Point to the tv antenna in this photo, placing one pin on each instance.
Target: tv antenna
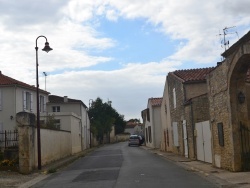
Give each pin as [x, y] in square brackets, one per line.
[224, 41]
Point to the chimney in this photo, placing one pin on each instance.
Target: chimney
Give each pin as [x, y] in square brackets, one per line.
[65, 99]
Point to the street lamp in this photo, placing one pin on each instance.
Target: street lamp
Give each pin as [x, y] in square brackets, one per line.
[46, 49]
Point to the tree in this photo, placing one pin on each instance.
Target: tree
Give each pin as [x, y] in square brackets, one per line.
[103, 117]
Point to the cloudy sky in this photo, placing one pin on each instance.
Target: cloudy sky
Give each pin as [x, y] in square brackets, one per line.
[118, 50]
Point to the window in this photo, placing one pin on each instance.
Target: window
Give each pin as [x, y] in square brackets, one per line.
[27, 101]
[42, 103]
[149, 134]
[148, 114]
[56, 108]
[57, 123]
[174, 97]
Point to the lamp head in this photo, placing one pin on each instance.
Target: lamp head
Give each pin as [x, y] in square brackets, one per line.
[47, 48]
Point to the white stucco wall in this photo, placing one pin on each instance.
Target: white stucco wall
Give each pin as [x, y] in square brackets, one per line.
[155, 123]
[12, 103]
[54, 145]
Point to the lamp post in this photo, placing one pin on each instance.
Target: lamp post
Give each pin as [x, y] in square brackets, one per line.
[46, 49]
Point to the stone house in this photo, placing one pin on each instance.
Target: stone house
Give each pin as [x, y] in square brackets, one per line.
[188, 106]
[17, 96]
[153, 123]
[229, 101]
[166, 137]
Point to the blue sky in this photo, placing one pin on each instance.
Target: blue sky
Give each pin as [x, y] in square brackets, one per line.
[117, 50]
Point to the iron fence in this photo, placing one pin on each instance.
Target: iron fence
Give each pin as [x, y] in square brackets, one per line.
[8, 139]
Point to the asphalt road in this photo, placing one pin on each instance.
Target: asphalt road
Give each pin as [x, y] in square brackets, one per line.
[120, 166]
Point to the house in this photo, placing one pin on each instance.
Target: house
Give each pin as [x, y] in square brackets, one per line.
[189, 112]
[153, 123]
[166, 137]
[134, 128]
[229, 100]
[17, 96]
[71, 115]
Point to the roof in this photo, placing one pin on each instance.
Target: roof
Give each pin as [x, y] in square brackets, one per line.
[8, 81]
[130, 125]
[58, 99]
[193, 75]
[155, 101]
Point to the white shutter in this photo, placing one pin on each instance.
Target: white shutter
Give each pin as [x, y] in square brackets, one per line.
[175, 134]
[24, 100]
[44, 103]
[174, 98]
[1, 99]
[31, 102]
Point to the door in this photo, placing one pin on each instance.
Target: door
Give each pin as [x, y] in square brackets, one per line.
[185, 139]
[203, 141]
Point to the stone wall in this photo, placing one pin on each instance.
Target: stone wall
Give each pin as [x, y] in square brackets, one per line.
[177, 114]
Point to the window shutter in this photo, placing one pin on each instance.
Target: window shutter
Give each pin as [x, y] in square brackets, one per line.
[1, 99]
[174, 98]
[24, 100]
[31, 102]
[44, 104]
[175, 134]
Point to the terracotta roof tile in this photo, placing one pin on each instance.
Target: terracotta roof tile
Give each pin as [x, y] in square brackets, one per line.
[190, 75]
[155, 101]
[5, 80]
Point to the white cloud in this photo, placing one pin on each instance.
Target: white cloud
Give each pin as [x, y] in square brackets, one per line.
[71, 27]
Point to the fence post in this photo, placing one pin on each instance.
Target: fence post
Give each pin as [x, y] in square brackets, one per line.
[26, 130]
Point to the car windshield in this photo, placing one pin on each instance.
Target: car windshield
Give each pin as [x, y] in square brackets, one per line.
[133, 137]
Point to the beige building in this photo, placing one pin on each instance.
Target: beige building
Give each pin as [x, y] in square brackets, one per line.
[17, 96]
[189, 112]
[153, 123]
[166, 137]
[71, 115]
[229, 101]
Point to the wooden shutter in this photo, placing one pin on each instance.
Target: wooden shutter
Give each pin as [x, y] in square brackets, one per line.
[175, 134]
[31, 102]
[44, 103]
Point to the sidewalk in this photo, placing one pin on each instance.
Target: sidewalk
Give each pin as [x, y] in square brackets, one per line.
[223, 178]
[10, 179]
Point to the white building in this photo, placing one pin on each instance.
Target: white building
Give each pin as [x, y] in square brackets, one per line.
[71, 115]
[153, 123]
[17, 96]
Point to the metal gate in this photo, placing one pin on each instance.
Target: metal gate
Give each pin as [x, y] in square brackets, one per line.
[245, 147]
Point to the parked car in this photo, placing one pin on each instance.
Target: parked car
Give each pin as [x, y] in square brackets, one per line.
[134, 140]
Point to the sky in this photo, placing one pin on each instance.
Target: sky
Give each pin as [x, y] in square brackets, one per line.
[120, 51]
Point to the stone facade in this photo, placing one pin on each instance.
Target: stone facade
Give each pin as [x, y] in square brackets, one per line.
[189, 105]
[224, 85]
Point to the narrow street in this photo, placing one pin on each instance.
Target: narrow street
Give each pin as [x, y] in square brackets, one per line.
[120, 166]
